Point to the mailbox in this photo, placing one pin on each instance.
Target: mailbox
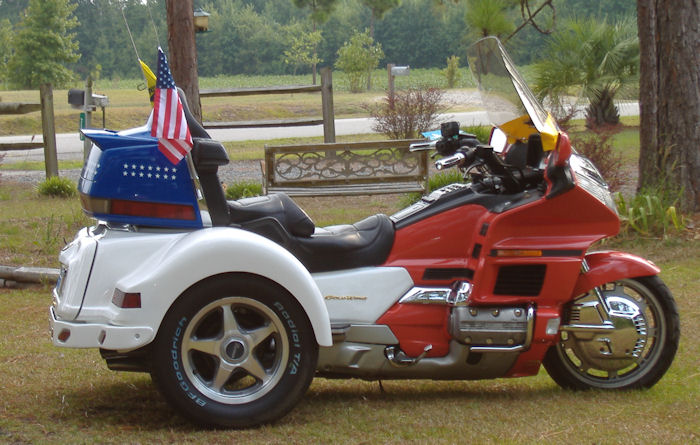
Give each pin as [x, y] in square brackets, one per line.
[400, 70]
[76, 98]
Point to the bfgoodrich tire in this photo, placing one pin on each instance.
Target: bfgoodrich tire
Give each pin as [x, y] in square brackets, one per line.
[236, 351]
[633, 349]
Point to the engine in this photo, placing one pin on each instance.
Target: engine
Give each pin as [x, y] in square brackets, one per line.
[490, 326]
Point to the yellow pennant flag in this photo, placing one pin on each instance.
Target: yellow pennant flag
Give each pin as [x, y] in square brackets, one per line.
[150, 80]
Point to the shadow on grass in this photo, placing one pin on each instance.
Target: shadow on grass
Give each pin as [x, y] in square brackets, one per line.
[139, 406]
[136, 405]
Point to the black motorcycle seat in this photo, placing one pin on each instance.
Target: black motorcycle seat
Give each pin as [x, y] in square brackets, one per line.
[365, 243]
[278, 218]
[278, 206]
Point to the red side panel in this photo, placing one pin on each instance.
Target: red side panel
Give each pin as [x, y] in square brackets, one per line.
[529, 362]
[442, 241]
[419, 325]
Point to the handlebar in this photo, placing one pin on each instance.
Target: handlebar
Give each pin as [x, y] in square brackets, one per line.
[450, 161]
[422, 146]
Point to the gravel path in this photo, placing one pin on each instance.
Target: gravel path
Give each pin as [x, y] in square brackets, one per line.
[234, 171]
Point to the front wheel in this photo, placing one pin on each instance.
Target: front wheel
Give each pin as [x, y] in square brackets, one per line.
[234, 351]
[625, 337]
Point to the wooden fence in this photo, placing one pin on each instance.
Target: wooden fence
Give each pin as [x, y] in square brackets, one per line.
[47, 126]
[326, 89]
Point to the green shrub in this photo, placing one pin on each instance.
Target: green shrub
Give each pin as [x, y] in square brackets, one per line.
[647, 214]
[482, 132]
[243, 189]
[57, 187]
[452, 73]
[435, 182]
[408, 113]
[597, 146]
[359, 57]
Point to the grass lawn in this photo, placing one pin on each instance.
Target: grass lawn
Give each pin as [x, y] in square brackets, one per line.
[69, 396]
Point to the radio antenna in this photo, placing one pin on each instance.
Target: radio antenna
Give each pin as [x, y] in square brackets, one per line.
[153, 23]
[130, 35]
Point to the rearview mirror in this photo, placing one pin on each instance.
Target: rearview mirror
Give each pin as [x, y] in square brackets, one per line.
[498, 140]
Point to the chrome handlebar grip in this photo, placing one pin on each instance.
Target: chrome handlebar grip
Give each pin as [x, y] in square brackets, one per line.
[450, 161]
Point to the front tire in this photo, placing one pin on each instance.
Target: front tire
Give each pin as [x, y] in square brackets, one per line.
[236, 351]
[632, 349]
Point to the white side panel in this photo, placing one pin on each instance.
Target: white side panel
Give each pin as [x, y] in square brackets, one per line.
[76, 259]
[362, 295]
[162, 266]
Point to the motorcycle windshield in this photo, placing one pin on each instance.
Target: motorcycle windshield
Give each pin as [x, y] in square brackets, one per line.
[508, 100]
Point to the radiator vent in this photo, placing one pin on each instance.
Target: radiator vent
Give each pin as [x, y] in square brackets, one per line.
[523, 280]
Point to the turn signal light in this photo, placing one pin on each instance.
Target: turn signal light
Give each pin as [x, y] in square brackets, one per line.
[126, 300]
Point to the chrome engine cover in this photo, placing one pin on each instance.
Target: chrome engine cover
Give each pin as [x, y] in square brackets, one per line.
[489, 326]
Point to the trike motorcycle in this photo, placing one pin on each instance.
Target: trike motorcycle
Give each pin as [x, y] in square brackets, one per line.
[234, 306]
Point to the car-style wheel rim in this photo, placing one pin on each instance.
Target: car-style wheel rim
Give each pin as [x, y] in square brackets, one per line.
[234, 350]
[620, 350]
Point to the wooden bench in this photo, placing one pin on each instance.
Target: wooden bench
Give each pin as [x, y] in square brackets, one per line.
[350, 168]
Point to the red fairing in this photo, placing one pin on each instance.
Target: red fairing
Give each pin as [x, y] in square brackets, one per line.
[558, 231]
[562, 227]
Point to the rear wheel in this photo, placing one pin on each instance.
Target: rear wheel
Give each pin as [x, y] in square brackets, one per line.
[236, 351]
[627, 340]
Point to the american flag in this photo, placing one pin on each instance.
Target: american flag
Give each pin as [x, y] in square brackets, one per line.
[168, 123]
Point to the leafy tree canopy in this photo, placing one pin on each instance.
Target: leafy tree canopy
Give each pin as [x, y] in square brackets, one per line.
[594, 57]
[43, 46]
[358, 56]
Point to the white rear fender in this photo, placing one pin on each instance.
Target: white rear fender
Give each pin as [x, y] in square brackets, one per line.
[204, 253]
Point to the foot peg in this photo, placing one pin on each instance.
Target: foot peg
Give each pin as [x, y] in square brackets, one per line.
[399, 359]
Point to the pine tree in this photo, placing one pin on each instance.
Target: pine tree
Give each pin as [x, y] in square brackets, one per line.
[44, 45]
[5, 47]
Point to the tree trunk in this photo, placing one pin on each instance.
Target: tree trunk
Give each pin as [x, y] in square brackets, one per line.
[669, 97]
[183, 52]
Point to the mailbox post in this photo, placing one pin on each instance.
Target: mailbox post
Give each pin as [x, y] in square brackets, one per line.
[393, 71]
[87, 109]
[87, 102]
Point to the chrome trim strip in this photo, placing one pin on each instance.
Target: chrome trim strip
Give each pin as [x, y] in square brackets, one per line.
[607, 326]
[457, 295]
[426, 295]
